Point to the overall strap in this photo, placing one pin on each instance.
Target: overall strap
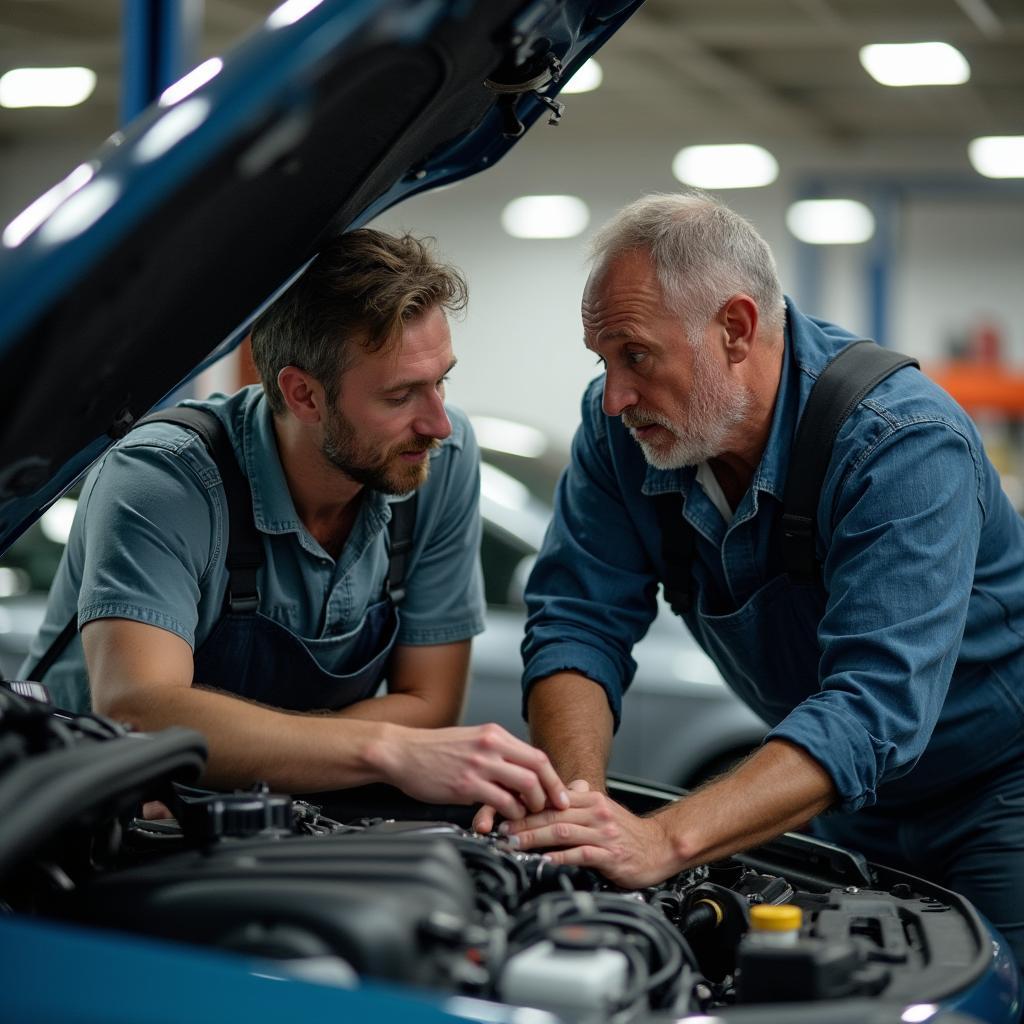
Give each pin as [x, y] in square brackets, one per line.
[55, 650]
[245, 548]
[400, 531]
[245, 551]
[844, 382]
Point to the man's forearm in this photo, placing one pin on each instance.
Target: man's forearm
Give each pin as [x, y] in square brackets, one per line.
[777, 788]
[291, 752]
[401, 708]
[571, 722]
[427, 687]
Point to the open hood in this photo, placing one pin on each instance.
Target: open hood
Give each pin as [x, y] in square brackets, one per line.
[154, 257]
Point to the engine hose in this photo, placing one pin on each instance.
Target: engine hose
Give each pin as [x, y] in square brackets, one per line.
[703, 916]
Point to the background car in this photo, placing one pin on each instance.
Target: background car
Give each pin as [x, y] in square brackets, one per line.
[681, 724]
[26, 570]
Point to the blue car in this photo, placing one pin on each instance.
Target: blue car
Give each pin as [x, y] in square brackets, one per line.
[144, 265]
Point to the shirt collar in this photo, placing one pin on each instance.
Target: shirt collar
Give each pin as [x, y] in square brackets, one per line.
[663, 481]
[810, 345]
[770, 475]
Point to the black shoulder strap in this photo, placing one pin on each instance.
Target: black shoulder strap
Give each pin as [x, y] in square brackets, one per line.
[400, 531]
[245, 548]
[245, 551]
[54, 651]
[847, 378]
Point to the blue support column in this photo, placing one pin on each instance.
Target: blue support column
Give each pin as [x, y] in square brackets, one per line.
[160, 43]
[160, 40]
[881, 258]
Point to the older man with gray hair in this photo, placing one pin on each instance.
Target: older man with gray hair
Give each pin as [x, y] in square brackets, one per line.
[878, 627]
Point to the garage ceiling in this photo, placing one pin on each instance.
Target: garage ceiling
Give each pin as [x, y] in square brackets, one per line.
[788, 70]
[783, 73]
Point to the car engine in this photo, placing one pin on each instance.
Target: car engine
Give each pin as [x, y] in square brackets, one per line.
[352, 895]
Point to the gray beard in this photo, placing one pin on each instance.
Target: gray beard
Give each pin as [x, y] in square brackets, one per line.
[715, 409]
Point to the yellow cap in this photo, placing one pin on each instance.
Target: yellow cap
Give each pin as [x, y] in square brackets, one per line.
[765, 918]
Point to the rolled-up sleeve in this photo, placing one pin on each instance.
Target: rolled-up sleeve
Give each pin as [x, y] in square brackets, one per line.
[898, 573]
[591, 594]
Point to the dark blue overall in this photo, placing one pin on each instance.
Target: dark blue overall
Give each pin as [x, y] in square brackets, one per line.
[254, 657]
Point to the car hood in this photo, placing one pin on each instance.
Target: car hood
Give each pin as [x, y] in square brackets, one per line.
[151, 259]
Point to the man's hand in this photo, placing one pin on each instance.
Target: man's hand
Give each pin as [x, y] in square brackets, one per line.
[470, 764]
[578, 743]
[485, 819]
[779, 787]
[579, 749]
[600, 834]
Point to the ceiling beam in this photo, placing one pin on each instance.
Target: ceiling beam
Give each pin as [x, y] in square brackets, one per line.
[751, 98]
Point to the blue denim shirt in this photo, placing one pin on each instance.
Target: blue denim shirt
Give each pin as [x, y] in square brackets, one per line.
[902, 671]
[150, 534]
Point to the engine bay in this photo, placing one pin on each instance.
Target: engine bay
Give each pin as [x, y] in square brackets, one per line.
[347, 896]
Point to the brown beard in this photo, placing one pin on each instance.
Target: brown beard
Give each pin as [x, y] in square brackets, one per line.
[380, 472]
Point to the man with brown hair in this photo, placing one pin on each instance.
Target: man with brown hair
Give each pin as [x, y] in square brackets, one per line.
[268, 621]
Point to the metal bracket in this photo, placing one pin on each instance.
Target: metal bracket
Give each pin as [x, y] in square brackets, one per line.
[537, 73]
[556, 108]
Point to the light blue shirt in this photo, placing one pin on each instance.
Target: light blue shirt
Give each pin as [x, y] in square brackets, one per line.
[150, 534]
[901, 672]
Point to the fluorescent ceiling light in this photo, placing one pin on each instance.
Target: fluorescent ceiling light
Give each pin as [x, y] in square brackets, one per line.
[502, 435]
[188, 84]
[997, 156]
[545, 217]
[919, 1012]
[737, 165]
[587, 79]
[900, 64]
[830, 221]
[46, 87]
